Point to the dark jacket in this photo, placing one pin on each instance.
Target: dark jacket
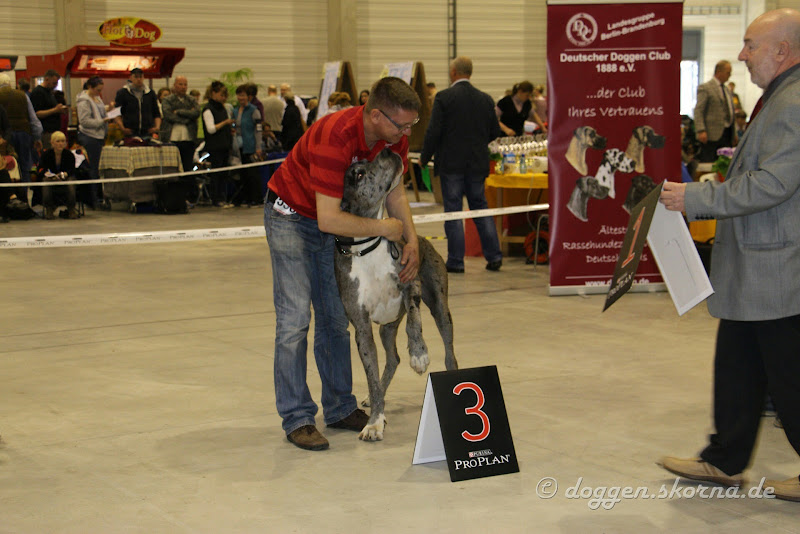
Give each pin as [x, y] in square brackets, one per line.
[136, 115]
[463, 123]
[43, 99]
[5, 124]
[511, 117]
[16, 104]
[48, 163]
[222, 139]
[291, 125]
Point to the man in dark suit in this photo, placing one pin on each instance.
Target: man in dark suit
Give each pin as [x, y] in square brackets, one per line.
[463, 122]
[713, 114]
[754, 266]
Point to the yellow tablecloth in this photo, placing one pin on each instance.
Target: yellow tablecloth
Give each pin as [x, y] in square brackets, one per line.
[518, 181]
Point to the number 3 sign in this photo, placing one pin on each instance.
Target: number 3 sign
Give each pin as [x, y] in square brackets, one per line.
[464, 421]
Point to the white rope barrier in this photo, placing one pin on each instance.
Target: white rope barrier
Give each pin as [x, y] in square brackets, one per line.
[138, 178]
[246, 232]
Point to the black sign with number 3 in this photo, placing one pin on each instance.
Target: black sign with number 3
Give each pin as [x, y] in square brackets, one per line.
[474, 424]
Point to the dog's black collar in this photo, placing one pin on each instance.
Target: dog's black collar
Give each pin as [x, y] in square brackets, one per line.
[343, 244]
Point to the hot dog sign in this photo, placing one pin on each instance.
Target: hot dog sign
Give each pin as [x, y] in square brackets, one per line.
[129, 31]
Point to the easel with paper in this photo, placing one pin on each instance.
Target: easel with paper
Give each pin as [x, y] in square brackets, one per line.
[337, 76]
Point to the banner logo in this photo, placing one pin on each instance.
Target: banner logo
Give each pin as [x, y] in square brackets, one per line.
[582, 29]
[129, 31]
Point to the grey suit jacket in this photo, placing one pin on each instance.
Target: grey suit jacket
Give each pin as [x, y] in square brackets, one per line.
[709, 112]
[755, 266]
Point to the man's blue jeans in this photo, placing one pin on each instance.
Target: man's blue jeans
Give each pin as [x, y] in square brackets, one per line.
[454, 187]
[302, 276]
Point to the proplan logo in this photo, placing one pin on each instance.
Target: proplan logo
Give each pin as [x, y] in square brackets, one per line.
[582, 29]
[481, 459]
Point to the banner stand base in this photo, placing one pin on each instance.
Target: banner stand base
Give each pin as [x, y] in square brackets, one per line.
[562, 291]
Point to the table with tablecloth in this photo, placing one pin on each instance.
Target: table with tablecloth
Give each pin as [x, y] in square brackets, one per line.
[531, 188]
[122, 161]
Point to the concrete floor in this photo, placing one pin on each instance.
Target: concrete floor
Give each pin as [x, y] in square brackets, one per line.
[137, 397]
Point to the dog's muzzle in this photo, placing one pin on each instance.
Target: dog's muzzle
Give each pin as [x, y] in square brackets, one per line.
[656, 141]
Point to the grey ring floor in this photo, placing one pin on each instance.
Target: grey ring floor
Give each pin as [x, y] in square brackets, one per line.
[137, 396]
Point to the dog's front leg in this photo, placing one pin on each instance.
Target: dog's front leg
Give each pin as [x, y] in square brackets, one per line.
[389, 340]
[412, 296]
[368, 351]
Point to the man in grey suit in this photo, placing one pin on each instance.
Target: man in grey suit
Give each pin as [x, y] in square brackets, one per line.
[755, 266]
[713, 114]
[463, 122]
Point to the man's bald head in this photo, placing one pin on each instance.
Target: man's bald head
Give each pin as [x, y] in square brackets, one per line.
[771, 45]
[181, 85]
[784, 25]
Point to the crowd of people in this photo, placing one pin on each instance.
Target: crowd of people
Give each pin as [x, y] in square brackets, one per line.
[229, 134]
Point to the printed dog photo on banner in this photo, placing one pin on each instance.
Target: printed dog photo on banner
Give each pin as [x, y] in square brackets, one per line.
[602, 184]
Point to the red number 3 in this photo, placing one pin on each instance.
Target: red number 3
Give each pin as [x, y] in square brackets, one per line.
[474, 410]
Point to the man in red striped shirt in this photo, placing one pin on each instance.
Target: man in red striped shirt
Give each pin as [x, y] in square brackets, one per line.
[301, 215]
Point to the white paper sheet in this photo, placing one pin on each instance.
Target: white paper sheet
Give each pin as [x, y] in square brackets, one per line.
[678, 260]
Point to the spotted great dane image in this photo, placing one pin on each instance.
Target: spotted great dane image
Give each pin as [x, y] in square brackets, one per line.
[367, 272]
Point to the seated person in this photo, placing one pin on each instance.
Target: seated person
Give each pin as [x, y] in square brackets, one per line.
[271, 142]
[11, 205]
[57, 164]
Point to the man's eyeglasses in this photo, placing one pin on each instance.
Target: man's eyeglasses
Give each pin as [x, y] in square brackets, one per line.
[400, 127]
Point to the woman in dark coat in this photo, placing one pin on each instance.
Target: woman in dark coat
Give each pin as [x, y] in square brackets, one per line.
[57, 164]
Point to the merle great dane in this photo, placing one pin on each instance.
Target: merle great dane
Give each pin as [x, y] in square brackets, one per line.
[367, 275]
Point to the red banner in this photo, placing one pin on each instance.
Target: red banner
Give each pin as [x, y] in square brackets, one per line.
[614, 101]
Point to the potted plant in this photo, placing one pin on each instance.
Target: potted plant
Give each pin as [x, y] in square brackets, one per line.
[720, 166]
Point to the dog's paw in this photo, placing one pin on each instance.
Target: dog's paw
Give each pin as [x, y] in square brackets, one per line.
[365, 402]
[373, 432]
[420, 363]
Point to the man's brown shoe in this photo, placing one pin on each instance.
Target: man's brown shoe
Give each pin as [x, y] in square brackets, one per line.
[697, 469]
[788, 490]
[356, 421]
[308, 437]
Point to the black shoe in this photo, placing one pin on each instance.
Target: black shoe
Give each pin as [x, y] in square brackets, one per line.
[356, 421]
[455, 269]
[494, 265]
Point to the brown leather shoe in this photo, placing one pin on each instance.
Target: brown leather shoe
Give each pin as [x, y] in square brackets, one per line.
[72, 213]
[697, 469]
[788, 490]
[356, 421]
[308, 437]
[49, 214]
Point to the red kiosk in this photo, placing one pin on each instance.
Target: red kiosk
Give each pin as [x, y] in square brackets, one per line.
[108, 62]
[114, 63]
